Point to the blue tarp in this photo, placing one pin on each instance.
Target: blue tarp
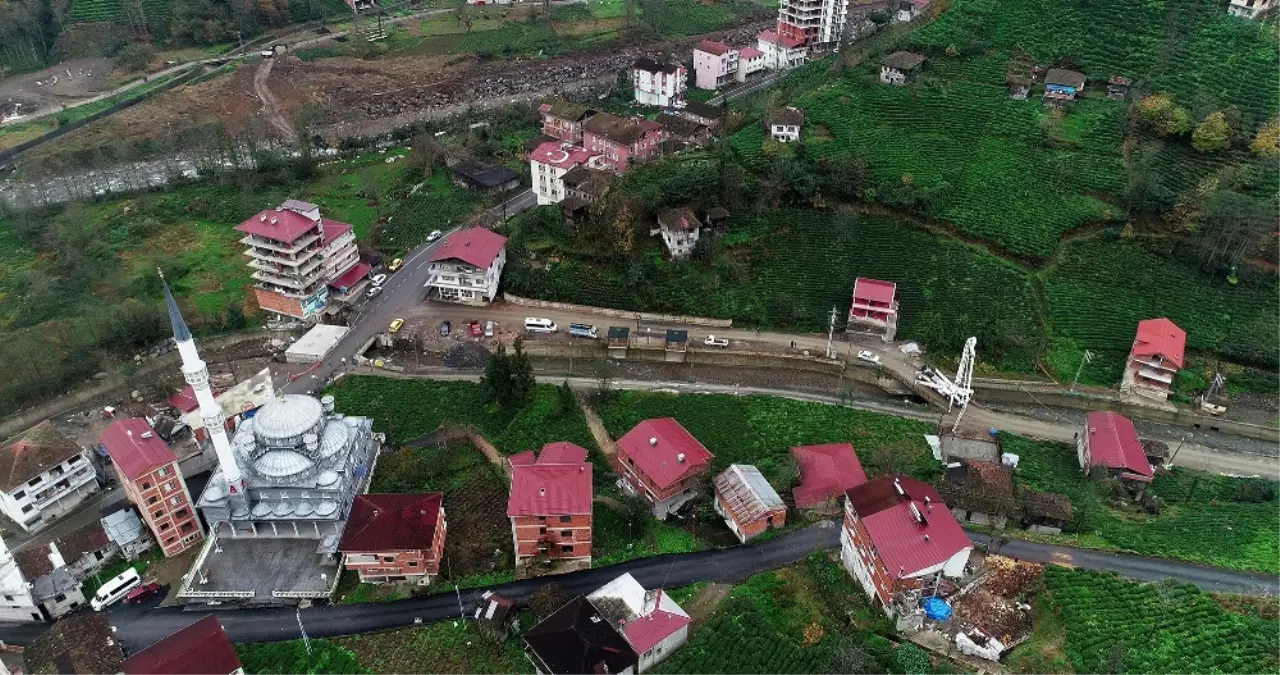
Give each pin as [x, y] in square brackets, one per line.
[936, 609]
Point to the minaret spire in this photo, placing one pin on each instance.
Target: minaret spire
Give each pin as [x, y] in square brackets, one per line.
[197, 375]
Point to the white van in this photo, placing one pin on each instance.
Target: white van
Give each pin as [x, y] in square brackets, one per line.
[536, 325]
[115, 589]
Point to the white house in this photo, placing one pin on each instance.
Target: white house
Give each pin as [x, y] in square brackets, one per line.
[750, 62]
[549, 162]
[43, 474]
[16, 601]
[897, 68]
[466, 268]
[785, 124]
[781, 52]
[650, 621]
[658, 83]
[1249, 9]
[680, 229]
[909, 9]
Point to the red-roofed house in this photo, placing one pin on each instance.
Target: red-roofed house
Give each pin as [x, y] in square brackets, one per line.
[294, 254]
[549, 162]
[467, 266]
[201, 648]
[1111, 441]
[662, 462]
[622, 142]
[781, 52]
[395, 537]
[550, 509]
[750, 62]
[650, 621]
[826, 473]
[1155, 358]
[874, 308]
[148, 470]
[897, 536]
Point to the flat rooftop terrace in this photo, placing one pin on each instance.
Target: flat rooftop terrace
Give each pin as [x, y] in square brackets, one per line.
[256, 569]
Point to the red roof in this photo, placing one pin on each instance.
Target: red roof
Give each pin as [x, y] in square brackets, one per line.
[1113, 443]
[561, 155]
[475, 246]
[1161, 337]
[785, 41]
[750, 53]
[392, 522]
[553, 484]
[199, 649]
[332, 229]
[135, 447]
[288, 225]
[713, 47]
[826, 472]
[660, 459]
[185, 400]
[646, 632]
[896, 533]
[873, 290]
[350, 277]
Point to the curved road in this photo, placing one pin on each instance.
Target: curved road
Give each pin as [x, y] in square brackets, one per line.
[140, 626]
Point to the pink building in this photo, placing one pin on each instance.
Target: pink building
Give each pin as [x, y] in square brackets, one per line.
[874, 308]
[1156, 356]
[622, 142]
[563, 119]
[715, 64]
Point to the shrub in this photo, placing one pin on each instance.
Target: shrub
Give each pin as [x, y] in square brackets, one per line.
[134, 56]
[1159, 113]
[1212, 134]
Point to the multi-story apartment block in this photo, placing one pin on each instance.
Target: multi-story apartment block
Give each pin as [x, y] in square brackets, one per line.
[813, 22]
[148, 471]
[874, 308]
[781, 52]
[16, 601]
[660, 461]
[750, 62]
[549, 162]
[466, 268]
[43, 474]
[658, 83]
[622, 142]
[294, 255]
[563, 120]
[550, 509]
[1154, 359]
[715, 64]
[395, 537]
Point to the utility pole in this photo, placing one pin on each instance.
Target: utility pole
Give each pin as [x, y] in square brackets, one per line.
[1086, 358]
[1175, 450]
[831, 330]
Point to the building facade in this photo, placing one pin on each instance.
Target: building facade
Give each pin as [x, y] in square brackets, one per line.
[563, 120]
[680, 230]
[874, 308]
[54, 587]
[663, 463]
[294, 254]
[747, 502]
[715, 64]
[43, 475]
[17, 604]
[148, 471]
[750, 62]
[785, 124]
[898, 68]
[814, 23]
[781, 52]
[548, 164]
[550, 509]
[1155, 358]
[659, 84]
[125, 530]
[1249, 9]
[621, 142]
[395, 537]
[467, 267]
[653, 624]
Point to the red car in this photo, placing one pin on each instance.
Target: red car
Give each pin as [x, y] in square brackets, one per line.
[142, 593]
[476, 329]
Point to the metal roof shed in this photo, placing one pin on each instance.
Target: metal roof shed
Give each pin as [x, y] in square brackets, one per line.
[313, 346]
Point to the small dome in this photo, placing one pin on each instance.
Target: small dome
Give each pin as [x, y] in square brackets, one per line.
[335, 438]
[282, 509]
[286, 418]
[213, 493]
[326, 508]
[239, 512]
[281, 463]
[261, 509]
[303, 509]
[327, 478]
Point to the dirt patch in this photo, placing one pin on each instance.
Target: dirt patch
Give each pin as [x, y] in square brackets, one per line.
[705, 601]
[168, 572]
[66, 82]
[598, 432]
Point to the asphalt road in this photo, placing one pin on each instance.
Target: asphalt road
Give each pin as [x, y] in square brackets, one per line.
[401, 291]
[141, 626]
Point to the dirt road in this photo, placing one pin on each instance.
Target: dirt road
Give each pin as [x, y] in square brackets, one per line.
[270, 106]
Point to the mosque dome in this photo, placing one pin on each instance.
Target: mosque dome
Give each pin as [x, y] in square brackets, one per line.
[286, 419]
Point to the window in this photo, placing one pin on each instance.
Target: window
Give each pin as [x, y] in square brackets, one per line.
[146, 486]
[413, 563]
[172, 539]
[176, 500]
[567, 534]
[26, 508]
[164, 471]
[542, 530]
[187, 526]
[20, 494]
[61, 597]
[157, 514]
[152, 499]
[388, 558]
[34, 481]
[181, 513]
[8, 598]
[165, 526]
[567, 548]
[566, 519]
[169, 487]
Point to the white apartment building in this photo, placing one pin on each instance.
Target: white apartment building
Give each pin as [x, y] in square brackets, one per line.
[750, 62]
[813, 22]
[467, 267]
[43, 474]
[657, 83]
[781, 52]
[16, 602]
[549, 162]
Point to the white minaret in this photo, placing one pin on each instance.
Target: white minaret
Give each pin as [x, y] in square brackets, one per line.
[197, 375]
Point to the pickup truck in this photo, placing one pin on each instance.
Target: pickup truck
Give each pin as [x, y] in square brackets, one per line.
[713, 341]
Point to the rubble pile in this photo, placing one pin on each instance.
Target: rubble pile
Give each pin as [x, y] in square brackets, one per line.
[467, 356]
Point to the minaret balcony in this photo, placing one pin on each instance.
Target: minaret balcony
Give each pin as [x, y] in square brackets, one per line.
[196, 378]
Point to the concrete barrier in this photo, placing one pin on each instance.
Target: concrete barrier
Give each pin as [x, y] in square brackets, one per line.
[619, 313]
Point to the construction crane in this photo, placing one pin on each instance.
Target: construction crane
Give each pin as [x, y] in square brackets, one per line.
[957, 391]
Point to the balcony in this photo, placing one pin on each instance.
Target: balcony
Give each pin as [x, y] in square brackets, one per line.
[301, 243]
[62, 487]
[293, 282]
[305, 271]
[267, 255]
[455, 281]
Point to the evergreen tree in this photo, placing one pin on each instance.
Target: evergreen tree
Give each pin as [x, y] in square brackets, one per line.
[497, 376]
[522, 379]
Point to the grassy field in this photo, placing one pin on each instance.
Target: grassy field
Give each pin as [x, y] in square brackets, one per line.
[446, 647]
[1190, 526]
[325, 657]
[1113, 625]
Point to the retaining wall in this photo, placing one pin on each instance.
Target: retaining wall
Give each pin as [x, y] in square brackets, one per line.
[619, 313]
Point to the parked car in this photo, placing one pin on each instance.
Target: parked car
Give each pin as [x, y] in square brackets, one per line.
[713, 341]
[583, 330]
[435, 234]
[395, 265]
[373, 291]
[488, 328]
[140, 593]
[378, 279]
[445, 327]
[476, 329]
[395, 326]
[869, 357]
